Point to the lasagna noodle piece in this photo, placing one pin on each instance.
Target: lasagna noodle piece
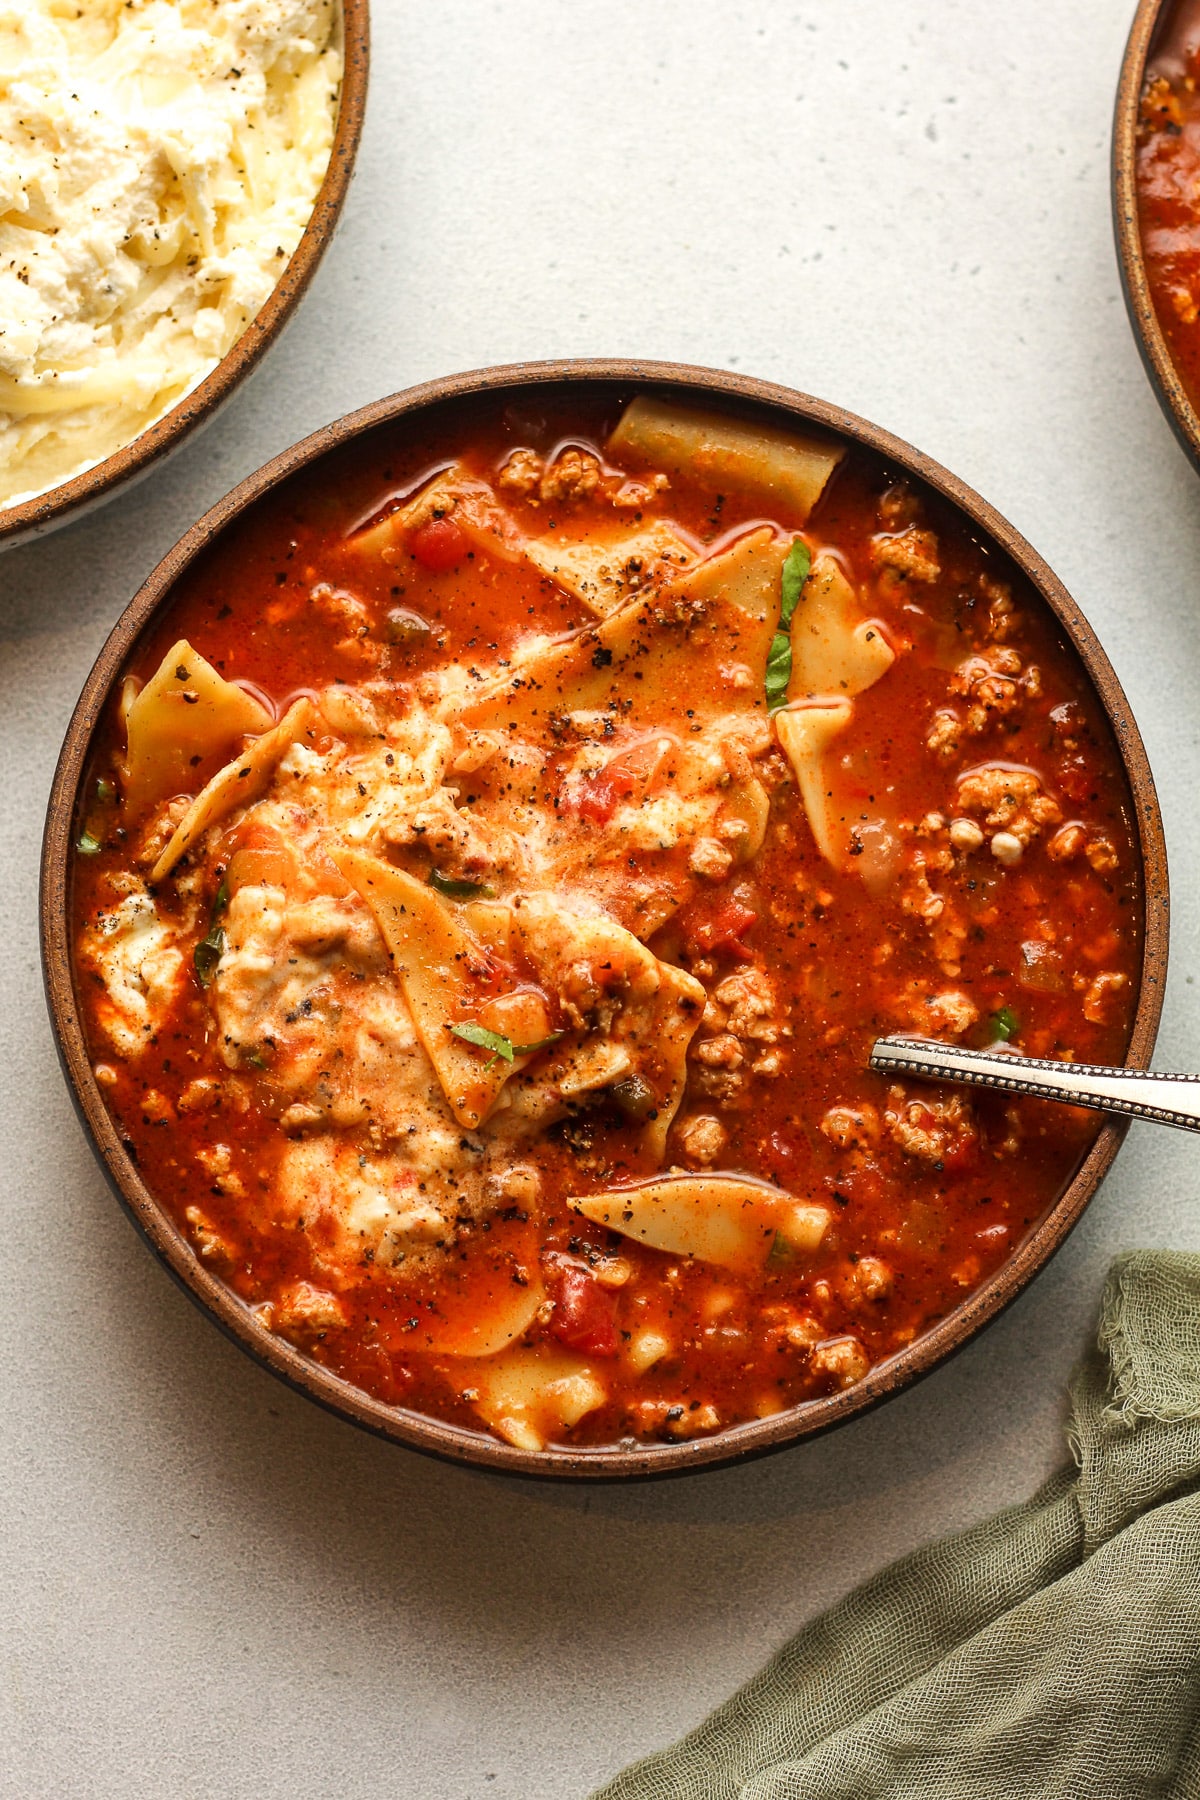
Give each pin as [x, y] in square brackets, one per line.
[656, 1007]
[239, 782]
[836, 655]
[435, 958]
[773, 463]
[185, 716]
[608, 565]
[668, 653]
[452, 494]
[805, 734]
[495, 1314]
[531, 1396]
[601, 570]
[726, 1219]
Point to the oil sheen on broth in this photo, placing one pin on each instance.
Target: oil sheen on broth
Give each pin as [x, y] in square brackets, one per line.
[499, 863]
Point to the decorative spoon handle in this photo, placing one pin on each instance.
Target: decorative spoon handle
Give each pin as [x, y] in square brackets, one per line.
[1138, 1093]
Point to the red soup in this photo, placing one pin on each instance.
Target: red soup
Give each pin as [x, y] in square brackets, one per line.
[501, 859]
[1168, 189]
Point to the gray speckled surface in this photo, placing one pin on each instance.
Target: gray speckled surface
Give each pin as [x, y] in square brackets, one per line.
[210, 1589]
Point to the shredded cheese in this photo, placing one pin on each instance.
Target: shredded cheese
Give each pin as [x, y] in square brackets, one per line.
[159, 161]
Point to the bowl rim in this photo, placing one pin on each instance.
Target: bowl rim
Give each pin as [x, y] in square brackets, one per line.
[452, 1443]
[1160, 366]
[92, 487]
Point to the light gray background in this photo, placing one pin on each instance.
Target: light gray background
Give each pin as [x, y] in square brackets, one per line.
[212, 1589]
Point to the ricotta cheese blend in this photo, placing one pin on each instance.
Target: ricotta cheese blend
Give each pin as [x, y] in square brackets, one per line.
[159, 161]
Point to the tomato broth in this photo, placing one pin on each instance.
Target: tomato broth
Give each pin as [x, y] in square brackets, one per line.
[502, 1038]
[1168, 189]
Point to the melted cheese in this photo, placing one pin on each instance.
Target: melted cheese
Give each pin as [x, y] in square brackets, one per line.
[135, 955]
[377, 1204]
[159, 160]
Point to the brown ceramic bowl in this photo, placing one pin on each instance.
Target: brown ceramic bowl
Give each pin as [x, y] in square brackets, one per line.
[172, 1248]
[1152, 22]
[45, 512]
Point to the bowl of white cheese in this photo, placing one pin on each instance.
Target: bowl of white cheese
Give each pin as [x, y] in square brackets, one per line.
[171, 172]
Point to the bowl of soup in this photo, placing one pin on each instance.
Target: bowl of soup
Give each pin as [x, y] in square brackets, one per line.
[1156, 203]
[179, 170]
[482, 857]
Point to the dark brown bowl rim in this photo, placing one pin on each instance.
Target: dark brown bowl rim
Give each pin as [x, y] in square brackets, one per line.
[1135, 282]
[42, 513]
[234, 1317]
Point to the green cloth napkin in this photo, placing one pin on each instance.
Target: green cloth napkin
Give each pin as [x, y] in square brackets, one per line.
[1051, 1652]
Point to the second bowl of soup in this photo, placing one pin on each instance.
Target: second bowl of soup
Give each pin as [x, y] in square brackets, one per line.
[1156, 203]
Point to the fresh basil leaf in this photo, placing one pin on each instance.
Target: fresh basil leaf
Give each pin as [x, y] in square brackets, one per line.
[207, 955]
[781, 1255]
[1004, 1025]
[211, 948]
[87, 845]
[791, 586]
[542, 1044]
[779, 657]
[779, 670]
[486, 1040]
[458, 890]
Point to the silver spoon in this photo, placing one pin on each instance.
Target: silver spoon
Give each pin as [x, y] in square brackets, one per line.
[1138, 1093]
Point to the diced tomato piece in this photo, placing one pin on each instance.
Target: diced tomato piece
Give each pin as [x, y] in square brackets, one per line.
[962, 1155]
[439, 545]
[600, 797]
[585, 1314]
[620, 777]
[259, 855]
[720, 928]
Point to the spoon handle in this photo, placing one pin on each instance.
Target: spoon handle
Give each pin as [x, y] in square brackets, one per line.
[1138, 1093]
